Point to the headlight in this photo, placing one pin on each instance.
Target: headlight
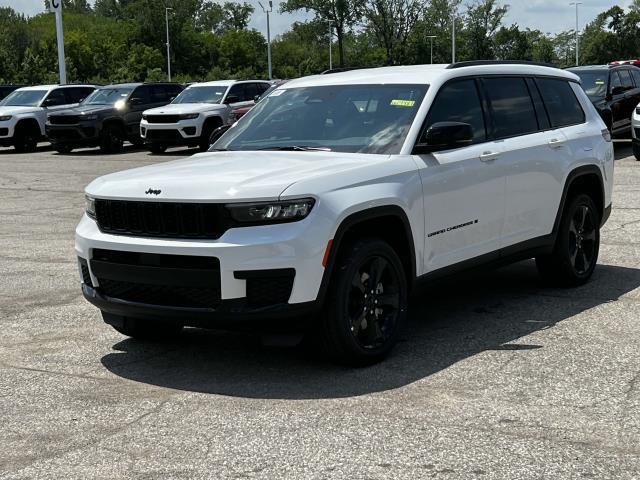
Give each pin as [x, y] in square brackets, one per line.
[93, 116]
[189, 116]
[271, 212]
[90, 206]
[4, 118]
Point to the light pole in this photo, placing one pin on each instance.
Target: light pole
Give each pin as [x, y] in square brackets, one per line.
[577, 34]
[330, 44]
[431, 37]
[453, 37]
[268, 11]
[166, 21]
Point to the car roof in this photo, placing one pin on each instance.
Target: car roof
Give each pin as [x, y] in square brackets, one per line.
[425, 74]
[51, 87]
[599, 68]
[224, 83]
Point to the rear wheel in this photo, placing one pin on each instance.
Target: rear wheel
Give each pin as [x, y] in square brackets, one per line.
[62, 148]
[112, 139]
[366, 306]
[142, 329]
[26, 139]
[576, 251]
[157, 148]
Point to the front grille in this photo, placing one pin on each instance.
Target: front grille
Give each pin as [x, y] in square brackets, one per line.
[157, 279]
[4, 132]
[174, 296]
[162, 219]
[163, 118]
[64, 119]
[166, 135]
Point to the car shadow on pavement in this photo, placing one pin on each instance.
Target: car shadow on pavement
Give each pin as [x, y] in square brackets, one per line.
[449, 322]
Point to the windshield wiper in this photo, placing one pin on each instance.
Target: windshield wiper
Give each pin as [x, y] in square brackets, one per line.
[299, 148]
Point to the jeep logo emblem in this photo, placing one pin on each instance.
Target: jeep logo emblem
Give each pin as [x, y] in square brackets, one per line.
[151, 191]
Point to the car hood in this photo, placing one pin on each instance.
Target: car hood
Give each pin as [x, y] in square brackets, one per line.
[8, 110]
[226, 176]
[84, 110]
[180, 108]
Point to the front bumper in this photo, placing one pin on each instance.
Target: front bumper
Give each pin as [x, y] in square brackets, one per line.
[80, 135]
[7, 130]
[242, 254]
[184, 132]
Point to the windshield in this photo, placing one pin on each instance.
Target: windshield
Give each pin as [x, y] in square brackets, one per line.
[341, 118]
[24, 98]
[107, 96]
[594, 83]
[201, 95]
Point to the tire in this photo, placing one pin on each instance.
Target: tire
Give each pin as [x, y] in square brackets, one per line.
[575, 253]
[142, 329]
[137, 142]
[112, 139]
[62, 148]
[26, 139]
[157, 149]
[636, 151]
[360, 323]
[205, 137]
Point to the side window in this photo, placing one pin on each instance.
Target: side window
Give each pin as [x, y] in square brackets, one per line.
[142, 93]
[173, 91]
[159, 94]
[237, 91]
[77, 94]
[561, 102]
[635, 73]
[541, 112]
[511, 107]
[56, 97]
[250, 91]
[614, 81]
[263, 87]
[458, 101]
[625, 77]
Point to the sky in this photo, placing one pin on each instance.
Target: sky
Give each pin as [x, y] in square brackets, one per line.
[549, 16]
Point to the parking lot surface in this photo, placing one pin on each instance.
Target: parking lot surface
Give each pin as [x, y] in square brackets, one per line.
[497, 376]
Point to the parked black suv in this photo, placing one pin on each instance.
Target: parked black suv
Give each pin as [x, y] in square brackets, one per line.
[108, 117]
[615, 92]
[7, 89]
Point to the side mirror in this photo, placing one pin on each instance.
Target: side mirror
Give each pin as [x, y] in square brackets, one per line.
[617, 90]
[135, 101]
[444, 136]
[217, 133]
[49, 102]
[256, 98]
[232, 99]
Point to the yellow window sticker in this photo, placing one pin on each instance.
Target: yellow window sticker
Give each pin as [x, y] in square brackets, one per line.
[403, 103]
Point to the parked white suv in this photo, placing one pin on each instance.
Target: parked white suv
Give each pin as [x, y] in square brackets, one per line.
[338, 193]
[23, 112]
[196, 112]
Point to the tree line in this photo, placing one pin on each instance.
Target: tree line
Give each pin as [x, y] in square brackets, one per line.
[124, 40]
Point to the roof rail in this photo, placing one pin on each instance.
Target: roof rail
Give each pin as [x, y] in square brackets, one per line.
[475, 63]
[345, 69]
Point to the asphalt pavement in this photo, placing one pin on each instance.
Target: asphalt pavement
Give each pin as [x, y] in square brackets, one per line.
[496, 377]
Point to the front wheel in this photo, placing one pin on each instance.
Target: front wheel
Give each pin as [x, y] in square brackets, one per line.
[62, 148]
[112, 139]
[26, 140]
[577, 245]
[636, 151]
[157, 148]
[366, 305]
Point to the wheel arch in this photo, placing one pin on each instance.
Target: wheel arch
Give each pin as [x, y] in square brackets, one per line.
[388, 222]
[28, 122]
[585, 179]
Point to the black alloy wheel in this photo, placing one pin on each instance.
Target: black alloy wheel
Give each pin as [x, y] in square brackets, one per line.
[582, 239]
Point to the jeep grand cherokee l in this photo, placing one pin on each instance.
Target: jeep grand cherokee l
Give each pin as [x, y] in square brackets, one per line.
[194, 114]
[109, 117]
[323, 206]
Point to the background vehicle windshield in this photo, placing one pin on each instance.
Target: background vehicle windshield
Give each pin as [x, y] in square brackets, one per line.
[107, 96]
[342, 118]
[594, 83]
[201, 95]
[24, 98]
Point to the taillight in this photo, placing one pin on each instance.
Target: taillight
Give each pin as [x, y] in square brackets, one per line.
[606, 134]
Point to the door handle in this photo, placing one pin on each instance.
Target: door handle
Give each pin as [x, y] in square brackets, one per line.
[556, 142]
[489, 156]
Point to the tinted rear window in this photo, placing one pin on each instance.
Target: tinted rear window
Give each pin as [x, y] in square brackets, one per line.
[511, 107]
[561, 102]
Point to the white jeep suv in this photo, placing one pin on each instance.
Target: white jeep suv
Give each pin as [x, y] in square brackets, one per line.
[23, 112]
[196, 112]
[337, 194]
